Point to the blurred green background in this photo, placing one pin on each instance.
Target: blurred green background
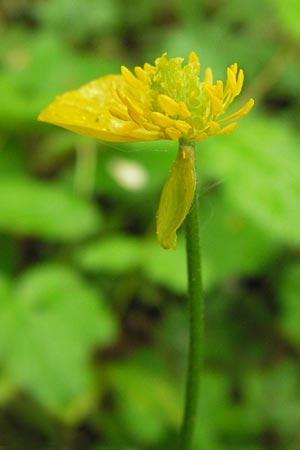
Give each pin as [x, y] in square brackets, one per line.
[93, 325]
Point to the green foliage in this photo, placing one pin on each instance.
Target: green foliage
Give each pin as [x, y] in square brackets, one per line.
[74, 19]
[50, 321]
[142, 391]
[288, 291]
[122, 253]
[289, 16]
[35, 70]
[262, 179]
[93, 324]
[44, 210]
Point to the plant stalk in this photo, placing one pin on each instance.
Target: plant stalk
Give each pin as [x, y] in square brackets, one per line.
[195, 291]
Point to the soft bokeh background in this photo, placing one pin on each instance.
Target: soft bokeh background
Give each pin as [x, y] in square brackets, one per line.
[92, 311]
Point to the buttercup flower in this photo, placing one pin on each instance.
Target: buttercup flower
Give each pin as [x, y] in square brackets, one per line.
[162, 101]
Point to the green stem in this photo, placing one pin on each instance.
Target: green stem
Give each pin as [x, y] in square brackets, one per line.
[193, 249]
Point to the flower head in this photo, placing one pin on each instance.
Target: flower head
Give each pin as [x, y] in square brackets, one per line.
[162, 101]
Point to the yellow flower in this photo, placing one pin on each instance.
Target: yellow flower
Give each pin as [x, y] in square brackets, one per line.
[162, 101]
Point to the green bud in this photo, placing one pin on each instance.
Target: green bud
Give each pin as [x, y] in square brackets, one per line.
[176, 197]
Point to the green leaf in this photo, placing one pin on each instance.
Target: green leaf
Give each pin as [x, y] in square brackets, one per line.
[289, 16]
[148, 403]
[7, 386]
[12, 159]
[5, 312]
[233, 245]
[56, 15]
[289, 296]
[259, 165]
[282, 413]
[225, 231]
[166, 268]
[117, 254]
[44, 210]
[27, 87]
[57, 321]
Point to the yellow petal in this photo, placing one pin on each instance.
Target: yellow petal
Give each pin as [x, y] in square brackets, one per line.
[176, 197]
[86, 111]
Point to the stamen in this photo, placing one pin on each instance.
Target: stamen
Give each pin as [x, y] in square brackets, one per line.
[172, 133]
[161, 119]
[130, 78]
[135, 116]
[141, 74]
[241, 112]
[182, 126]
[168, 105]
[118, 113]
[240, 81]
[208, 76]
[213, 126]
[228, 129]
[194, 61]
[231, 81]
[183, 110]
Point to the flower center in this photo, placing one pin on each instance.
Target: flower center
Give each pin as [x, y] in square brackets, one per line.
[181, 84]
